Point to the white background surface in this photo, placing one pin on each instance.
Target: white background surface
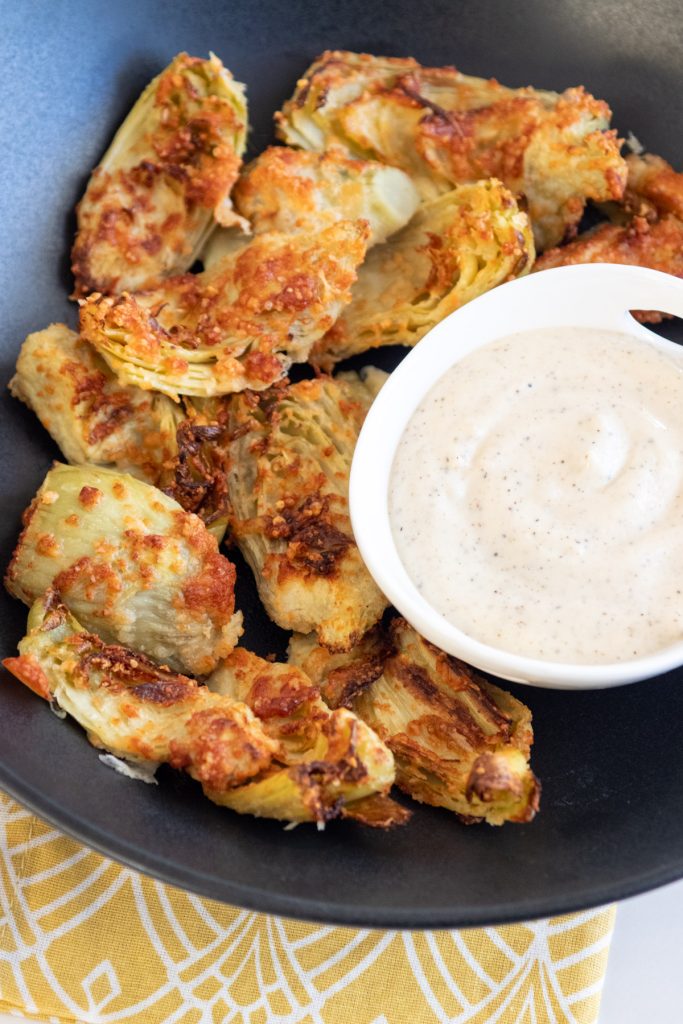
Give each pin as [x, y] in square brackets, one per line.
[644, 983]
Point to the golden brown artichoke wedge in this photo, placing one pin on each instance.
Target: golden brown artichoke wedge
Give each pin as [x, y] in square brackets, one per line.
[97, 421]
[332, 762]
[646, 228]
[459, 741]
[455, 248]
[135, 708]
[288, 485]
[240, 324]
[445, 128]
[131, 564]
[89, 414]
[165, 180]
[147, 714]
[292, 190]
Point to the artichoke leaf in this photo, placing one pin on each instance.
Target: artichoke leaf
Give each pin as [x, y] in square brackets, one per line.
[653, 187]
[198, 481]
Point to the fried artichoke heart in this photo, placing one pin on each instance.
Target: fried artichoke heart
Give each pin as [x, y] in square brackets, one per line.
[646, 229]
[96, 421]
[89, 414]
[292, 190]
[288, 484]
[459, 742]
[455, 248]
[134, 708]
[239, 324]
[334, 763]
[130, 564]
[445, 128]
[145, 713]
[165, 180]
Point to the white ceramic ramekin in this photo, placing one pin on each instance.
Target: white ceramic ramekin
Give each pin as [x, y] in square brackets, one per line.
[595, 295]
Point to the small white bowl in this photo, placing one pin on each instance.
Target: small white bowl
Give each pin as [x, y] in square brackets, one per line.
[592, 295]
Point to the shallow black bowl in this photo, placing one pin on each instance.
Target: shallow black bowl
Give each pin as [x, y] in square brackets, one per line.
[612, 817]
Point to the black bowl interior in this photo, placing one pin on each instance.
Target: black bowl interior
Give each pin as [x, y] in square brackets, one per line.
[612, 815]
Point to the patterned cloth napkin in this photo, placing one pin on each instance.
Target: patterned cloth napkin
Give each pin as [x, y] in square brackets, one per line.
[82, 938]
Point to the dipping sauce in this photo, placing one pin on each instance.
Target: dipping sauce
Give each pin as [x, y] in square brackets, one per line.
[536, 496]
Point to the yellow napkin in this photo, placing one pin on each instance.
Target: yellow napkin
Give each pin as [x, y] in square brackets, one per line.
[82, 938]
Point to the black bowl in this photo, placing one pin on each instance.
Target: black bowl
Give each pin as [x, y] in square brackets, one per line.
[611, 822]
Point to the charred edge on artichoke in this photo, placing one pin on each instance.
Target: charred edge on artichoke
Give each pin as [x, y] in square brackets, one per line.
[314, 543]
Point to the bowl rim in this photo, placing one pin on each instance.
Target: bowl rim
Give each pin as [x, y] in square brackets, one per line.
[587, 295]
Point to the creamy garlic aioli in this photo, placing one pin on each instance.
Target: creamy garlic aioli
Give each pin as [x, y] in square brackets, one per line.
[536, 496]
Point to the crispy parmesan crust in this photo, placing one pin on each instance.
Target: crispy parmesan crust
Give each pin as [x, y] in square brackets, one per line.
[199, 479]
[92, 418]
[138, 568]
[292, 190]
[314, 543]
[238, 325]
[640, 243]
[170, 168]
[653, 188]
